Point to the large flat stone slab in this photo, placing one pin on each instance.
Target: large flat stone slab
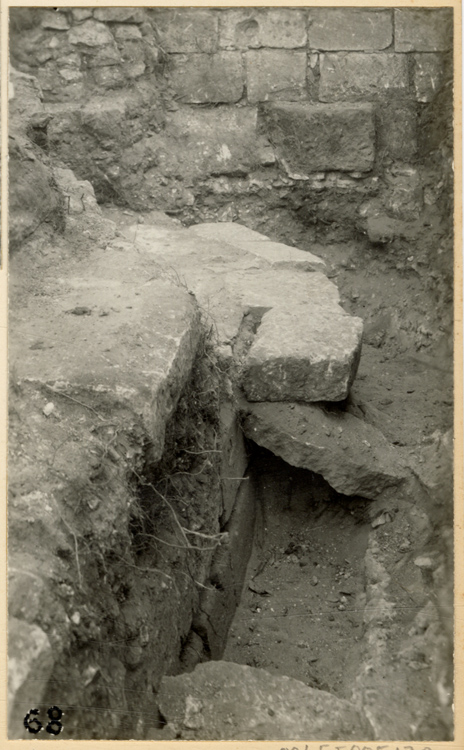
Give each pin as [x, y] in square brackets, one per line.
[320, 137]
[354, 457]
[276, 253]
[113, 326]
[308, 354]
[226, 701]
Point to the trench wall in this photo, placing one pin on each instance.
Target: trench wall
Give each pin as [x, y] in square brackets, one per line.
[197, 111]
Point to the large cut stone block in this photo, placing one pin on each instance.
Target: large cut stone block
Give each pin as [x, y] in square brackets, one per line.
[349, 29]
[354, 457]
[226, 701]
[262, 27]
[429, 75]
[187, 30]
[275, 74]
[310, 353]
[276, 254]
[354, 76]
[423, 30]
[397, 129]
[319, 137]
[201, 78]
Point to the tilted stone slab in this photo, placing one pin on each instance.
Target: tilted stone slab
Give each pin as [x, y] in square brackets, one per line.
[310, 353]
[320, 137]
[354, 457]
[227, 701]
[276, 253]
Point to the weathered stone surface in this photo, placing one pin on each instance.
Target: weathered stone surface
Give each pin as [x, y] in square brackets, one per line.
[404, 196]
[201, 78]
[120, 15]
[80, 14]
[397, 129]
[423, 30]
[33, 194]
[30, 662]
[319, 137]
[354, 457]
[211, 141]
[354, 76]
[91, 34]
[187, 30]
[349, 29]
[52, 20]
[221, 597]
[277, 254]
[226, 701]
[234, 458]
[428, 74]
[148, 377]
[307, 354]
[125, 31]
[262, 27]
[275, 74]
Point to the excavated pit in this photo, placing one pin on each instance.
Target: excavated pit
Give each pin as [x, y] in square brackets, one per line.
[301, 610]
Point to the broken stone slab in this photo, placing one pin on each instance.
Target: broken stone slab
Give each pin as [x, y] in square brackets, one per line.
[320, 137]
[276, 253]
[227, 701]
[307, 354]
[354, 457]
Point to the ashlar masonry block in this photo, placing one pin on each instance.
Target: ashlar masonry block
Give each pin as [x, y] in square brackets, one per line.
[355, 76]
[201, 78]
[423, 30]
[187, 30]
[350, 29]
[429, 75]
[322, 137]
[244, 28]
[276, 74]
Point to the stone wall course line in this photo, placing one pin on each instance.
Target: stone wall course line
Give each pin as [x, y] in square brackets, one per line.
[423, 30]
[358, 29]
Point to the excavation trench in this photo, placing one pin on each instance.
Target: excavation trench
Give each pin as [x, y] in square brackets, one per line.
[301, 609]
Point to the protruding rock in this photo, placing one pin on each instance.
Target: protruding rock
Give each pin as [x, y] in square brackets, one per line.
[227, 701]
[354, 457]
[307, 354]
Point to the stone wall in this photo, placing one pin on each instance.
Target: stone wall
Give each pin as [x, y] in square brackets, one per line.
[196, 111]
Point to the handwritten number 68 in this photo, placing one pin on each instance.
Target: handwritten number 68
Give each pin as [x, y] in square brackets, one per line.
[34, 726]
